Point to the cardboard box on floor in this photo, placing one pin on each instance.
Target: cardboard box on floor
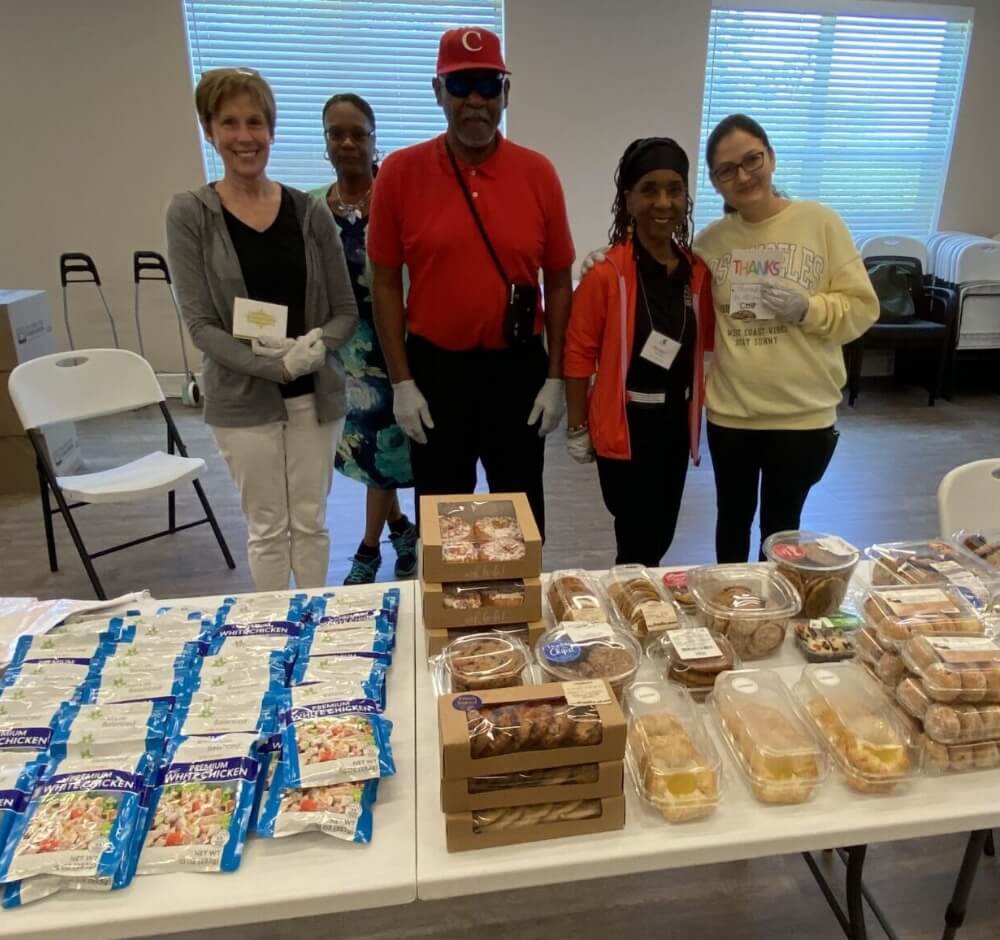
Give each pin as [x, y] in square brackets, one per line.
[437, 615]
[606, 781]
[438, 638]
[461, 835]
[472, 507]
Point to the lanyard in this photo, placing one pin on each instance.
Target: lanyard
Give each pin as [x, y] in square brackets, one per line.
[645, 300]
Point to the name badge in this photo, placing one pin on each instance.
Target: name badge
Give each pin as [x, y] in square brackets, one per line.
[254, 319]
[660, 350]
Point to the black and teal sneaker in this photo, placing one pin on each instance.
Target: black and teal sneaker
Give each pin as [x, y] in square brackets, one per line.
[405, 544]
[364, 569]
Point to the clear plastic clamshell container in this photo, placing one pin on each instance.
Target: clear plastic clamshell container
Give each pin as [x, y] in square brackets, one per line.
[748, 604]
[984, 545]
[962, 669]
[827, 639]
[573, 651]
[573, 595]
[692, 657]
[676, 583]
[957, 758]
[777, 752]
[488, 660]
[948, 724]
[819, 567]
[670, 756]
[936, 562]
[873, 745]
[885, 664]
[898, 613]
[637, 602]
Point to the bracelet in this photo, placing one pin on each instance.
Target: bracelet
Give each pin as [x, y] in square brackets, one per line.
[577, 428]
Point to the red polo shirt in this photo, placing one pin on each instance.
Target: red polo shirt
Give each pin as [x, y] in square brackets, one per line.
[420, 218]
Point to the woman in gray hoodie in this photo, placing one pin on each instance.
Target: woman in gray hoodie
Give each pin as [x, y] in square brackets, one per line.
[276, 405]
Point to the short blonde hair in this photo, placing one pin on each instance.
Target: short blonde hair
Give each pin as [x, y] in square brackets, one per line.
[216, 85]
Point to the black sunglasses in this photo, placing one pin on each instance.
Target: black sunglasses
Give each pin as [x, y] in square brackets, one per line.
[463, 84]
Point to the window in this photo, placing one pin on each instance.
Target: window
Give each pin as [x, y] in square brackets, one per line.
[860, 109]
[308, 50]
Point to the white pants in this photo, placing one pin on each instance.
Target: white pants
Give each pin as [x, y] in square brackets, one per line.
[284, 472]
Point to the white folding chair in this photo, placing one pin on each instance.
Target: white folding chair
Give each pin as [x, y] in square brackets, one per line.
[969, 497]
[93, 383]
[895, 246]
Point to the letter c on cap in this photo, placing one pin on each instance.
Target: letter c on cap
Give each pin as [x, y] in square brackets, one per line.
[466, 43]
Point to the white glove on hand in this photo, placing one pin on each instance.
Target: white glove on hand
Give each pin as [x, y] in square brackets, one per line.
[579, 446]
[411, 411]
[272, 347]
[306, 355]
[550, 405]
[599, 256]
[787, 305]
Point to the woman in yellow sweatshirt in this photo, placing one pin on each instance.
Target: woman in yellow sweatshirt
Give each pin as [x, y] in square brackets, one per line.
[789, 289]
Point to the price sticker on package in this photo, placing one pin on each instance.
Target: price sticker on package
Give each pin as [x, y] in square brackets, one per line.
[694, 643]
[585, 632]
[587, 692]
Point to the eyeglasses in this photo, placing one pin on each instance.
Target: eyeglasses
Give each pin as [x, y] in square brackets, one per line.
[337, 135]
[751, 163]
[463, 84]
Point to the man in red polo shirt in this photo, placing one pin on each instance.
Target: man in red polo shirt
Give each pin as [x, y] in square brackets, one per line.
[472, 379]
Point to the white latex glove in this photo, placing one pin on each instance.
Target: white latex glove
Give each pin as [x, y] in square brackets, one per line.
[787, 305]
[599, 256]
[306, 355]
[550, 405]
[411, 411]
[272, 347]
[579, 445]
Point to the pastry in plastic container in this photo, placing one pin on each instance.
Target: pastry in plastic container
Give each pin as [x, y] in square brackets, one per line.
[670, 757]
[529, 779]
[748, 604]
[948, 724]
[693, 657]
[984, 545]
[489, 660]
[819, 566]
[676, 583]
[962, 669]
[936, 562]
[886, 664]
[827, 639]
[873, 745]
[898, 613]
[944, 758]
[572, 651]
[573, 595]
[637, 602]
[777, 752]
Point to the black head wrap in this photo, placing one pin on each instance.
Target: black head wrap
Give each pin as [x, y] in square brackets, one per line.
[653, 153]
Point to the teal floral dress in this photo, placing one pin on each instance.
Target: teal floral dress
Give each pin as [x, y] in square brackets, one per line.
[373, 449]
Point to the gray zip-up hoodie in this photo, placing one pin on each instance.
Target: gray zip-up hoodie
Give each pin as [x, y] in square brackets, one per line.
[241, 388]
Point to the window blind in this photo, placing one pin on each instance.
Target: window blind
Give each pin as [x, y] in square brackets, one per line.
[860, 109]
[311, 49]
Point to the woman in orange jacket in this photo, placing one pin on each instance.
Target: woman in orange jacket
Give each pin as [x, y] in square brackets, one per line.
[639, 328]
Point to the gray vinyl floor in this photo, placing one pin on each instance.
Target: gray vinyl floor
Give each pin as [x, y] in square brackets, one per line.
[881, 486]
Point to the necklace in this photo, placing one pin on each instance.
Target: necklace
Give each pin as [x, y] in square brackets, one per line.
[352, 210]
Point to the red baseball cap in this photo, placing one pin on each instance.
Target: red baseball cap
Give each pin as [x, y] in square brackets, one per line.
[470, 47]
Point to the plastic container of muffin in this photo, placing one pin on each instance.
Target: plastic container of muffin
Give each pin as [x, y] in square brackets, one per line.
[572, 651]
[637, 603]
[948, 724]
[819, 566]
[477, 661]
[573, 594]
[692, 657]
[985, 545]
[936, 562]
[748, 604]
[962, 669]
[672, 761]
[873, 745]
[778, 754]
[958, 758]
[899, 613]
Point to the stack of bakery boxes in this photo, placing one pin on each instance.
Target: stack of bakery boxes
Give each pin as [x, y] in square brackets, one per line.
[521, 760]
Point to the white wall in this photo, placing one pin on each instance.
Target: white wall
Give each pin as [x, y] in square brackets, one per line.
[100, 128]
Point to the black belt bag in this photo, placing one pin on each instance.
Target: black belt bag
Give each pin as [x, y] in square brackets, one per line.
[522, 299]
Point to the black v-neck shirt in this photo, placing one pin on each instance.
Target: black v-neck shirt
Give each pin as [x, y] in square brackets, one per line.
[273, 263]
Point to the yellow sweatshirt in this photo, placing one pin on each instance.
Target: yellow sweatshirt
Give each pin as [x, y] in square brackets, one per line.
[771, 375]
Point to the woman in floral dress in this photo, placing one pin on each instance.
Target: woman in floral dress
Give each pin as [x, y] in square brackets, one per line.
[373, 449]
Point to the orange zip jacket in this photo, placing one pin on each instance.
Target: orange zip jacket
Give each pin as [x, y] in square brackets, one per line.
[599, 339]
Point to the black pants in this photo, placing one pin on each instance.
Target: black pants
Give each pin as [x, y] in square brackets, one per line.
[644, 493]
[783, 465]
[479, 402]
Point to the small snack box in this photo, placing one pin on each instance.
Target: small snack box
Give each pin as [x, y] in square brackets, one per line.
[898, 613]
[984, 545]
[670, 756]
[637, 603]
[676, 583]
[872, 744]
[827, 639]
[962, 669]
[478, 537]
[779, 756]
[572, 651]
[748, 604]
[817, 565]
[500, 731]
[936, 562]
[437, 638]
[693, 657]
[482, 661]
[527, 787]
[481, 603]
[573, 595]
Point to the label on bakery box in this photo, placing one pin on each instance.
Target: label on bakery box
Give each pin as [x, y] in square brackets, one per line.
[585, 632]
[966, 649]
[466, 703]
[694, 643]
[912, 603]
[586, 692]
